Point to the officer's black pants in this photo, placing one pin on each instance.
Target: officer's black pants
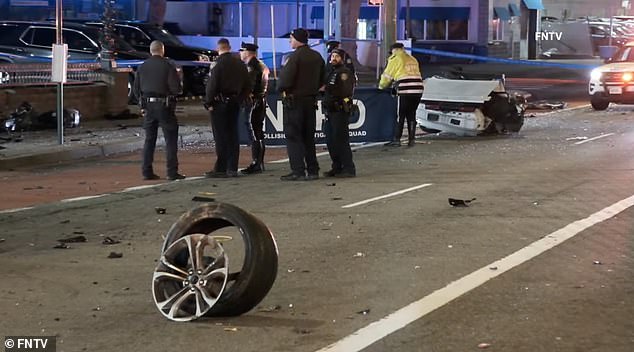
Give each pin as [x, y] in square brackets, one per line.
[407, 105]
[255, 121]
[158, 114]
[338, 141]
[224, 124]
[299, 127]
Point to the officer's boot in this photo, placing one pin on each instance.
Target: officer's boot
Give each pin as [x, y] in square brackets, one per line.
[398, 133]
[411, 133]
[254, 167]
[261, 155]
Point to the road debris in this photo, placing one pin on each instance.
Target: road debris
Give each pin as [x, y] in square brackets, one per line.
[331, 184]
[115, 255]
[484, 345]
[32, 188]
[231, 329]
[493, 268]
[336, 198]
[597, 262]
[301, 331]
[203, 199]
[454, 202]
[291, 270]
[579, 138]
[270, 309]
[160, 210]
[2, 240]
[110, 241]
[364, 312]
[546, 105]
[61, 246]
[359, 255]
[76, 239]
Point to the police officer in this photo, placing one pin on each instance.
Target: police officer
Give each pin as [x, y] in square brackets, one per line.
[155, 86]
[256, 111]
[403, 69]
[337, 105]
[347, 60]
[228, 86]
[300, 81]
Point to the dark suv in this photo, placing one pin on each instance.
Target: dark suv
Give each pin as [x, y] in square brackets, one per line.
[141, 34]
[35, 39]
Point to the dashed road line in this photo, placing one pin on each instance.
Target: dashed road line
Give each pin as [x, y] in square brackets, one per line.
[379, 329]
[594, 138]
[386, 196]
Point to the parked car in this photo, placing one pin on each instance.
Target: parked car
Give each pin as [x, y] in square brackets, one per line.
[140, 34]
[614, 81]
[34, 39]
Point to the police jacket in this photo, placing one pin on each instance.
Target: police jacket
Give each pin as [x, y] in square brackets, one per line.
[228, 78]
[157, 77]
[403, 69]
[303, 74]
[258, 76]
[339, 89]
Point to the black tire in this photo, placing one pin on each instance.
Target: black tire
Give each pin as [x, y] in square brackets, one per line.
[599, 103]
[429, 130]
[259, 269]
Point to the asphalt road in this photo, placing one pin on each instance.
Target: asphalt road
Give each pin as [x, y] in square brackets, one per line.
[343, 269]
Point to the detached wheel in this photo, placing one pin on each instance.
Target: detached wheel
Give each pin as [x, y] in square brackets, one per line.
[599, 103]
[199, 247]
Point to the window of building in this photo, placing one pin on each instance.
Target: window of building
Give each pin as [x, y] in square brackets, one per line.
[437, 23]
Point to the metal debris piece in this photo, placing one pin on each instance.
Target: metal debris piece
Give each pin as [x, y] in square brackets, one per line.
[291, 270]
[109, 241]
[460, 202]
[231, 329]
[484, 345]
[359, 255]
[596, 262]
[203, 199]
[270, 309]
[160, 210]
[62, 246]
[364, 312]
[115, 255]
[546, 105]
[76, 239]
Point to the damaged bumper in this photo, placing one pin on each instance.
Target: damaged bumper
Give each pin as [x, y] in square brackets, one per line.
[469, 107]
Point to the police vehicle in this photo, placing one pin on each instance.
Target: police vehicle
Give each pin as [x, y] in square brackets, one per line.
[614, 81]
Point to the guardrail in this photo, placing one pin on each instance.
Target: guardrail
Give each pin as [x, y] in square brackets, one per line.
[29, 74]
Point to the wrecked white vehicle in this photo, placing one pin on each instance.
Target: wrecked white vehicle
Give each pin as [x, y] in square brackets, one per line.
[469, 107]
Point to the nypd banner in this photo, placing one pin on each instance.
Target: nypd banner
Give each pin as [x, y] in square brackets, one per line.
[374, 122]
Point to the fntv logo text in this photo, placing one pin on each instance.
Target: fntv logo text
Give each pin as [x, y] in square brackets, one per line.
[548, 35]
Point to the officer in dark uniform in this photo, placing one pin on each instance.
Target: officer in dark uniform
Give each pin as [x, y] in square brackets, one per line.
[300, 81]
[256, 111]
[337, 105]
[156, 85]
[228, 87]
[347, 60]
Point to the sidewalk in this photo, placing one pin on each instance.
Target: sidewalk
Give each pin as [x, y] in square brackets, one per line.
[95, 139]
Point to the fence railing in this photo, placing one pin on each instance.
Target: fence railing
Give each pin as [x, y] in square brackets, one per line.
[16, 75]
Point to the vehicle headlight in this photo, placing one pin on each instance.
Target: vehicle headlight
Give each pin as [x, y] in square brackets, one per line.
[627, 76]
[595, 74]
[203, 57]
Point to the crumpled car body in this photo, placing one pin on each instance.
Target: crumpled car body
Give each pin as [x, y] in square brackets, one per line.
[469, 107]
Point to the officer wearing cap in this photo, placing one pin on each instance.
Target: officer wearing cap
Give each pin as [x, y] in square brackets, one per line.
[256, 111]
[228, 87]
[347, 60]
[300, 81]
[155, 86]
[337, 106]
[404, 71]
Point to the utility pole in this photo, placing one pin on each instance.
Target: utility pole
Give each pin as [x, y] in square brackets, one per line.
[388, 25]
[60, 84]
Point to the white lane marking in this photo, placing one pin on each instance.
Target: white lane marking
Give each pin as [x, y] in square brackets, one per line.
[377, 330]
[387, 195]
[9, 211]
[368, 145]
[83, 198]
[138, 188]
[595, 138]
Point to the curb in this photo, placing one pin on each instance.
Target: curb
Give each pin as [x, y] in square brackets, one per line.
[92, 151]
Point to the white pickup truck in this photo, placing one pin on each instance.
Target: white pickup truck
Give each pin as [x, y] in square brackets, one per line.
[614, 81]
